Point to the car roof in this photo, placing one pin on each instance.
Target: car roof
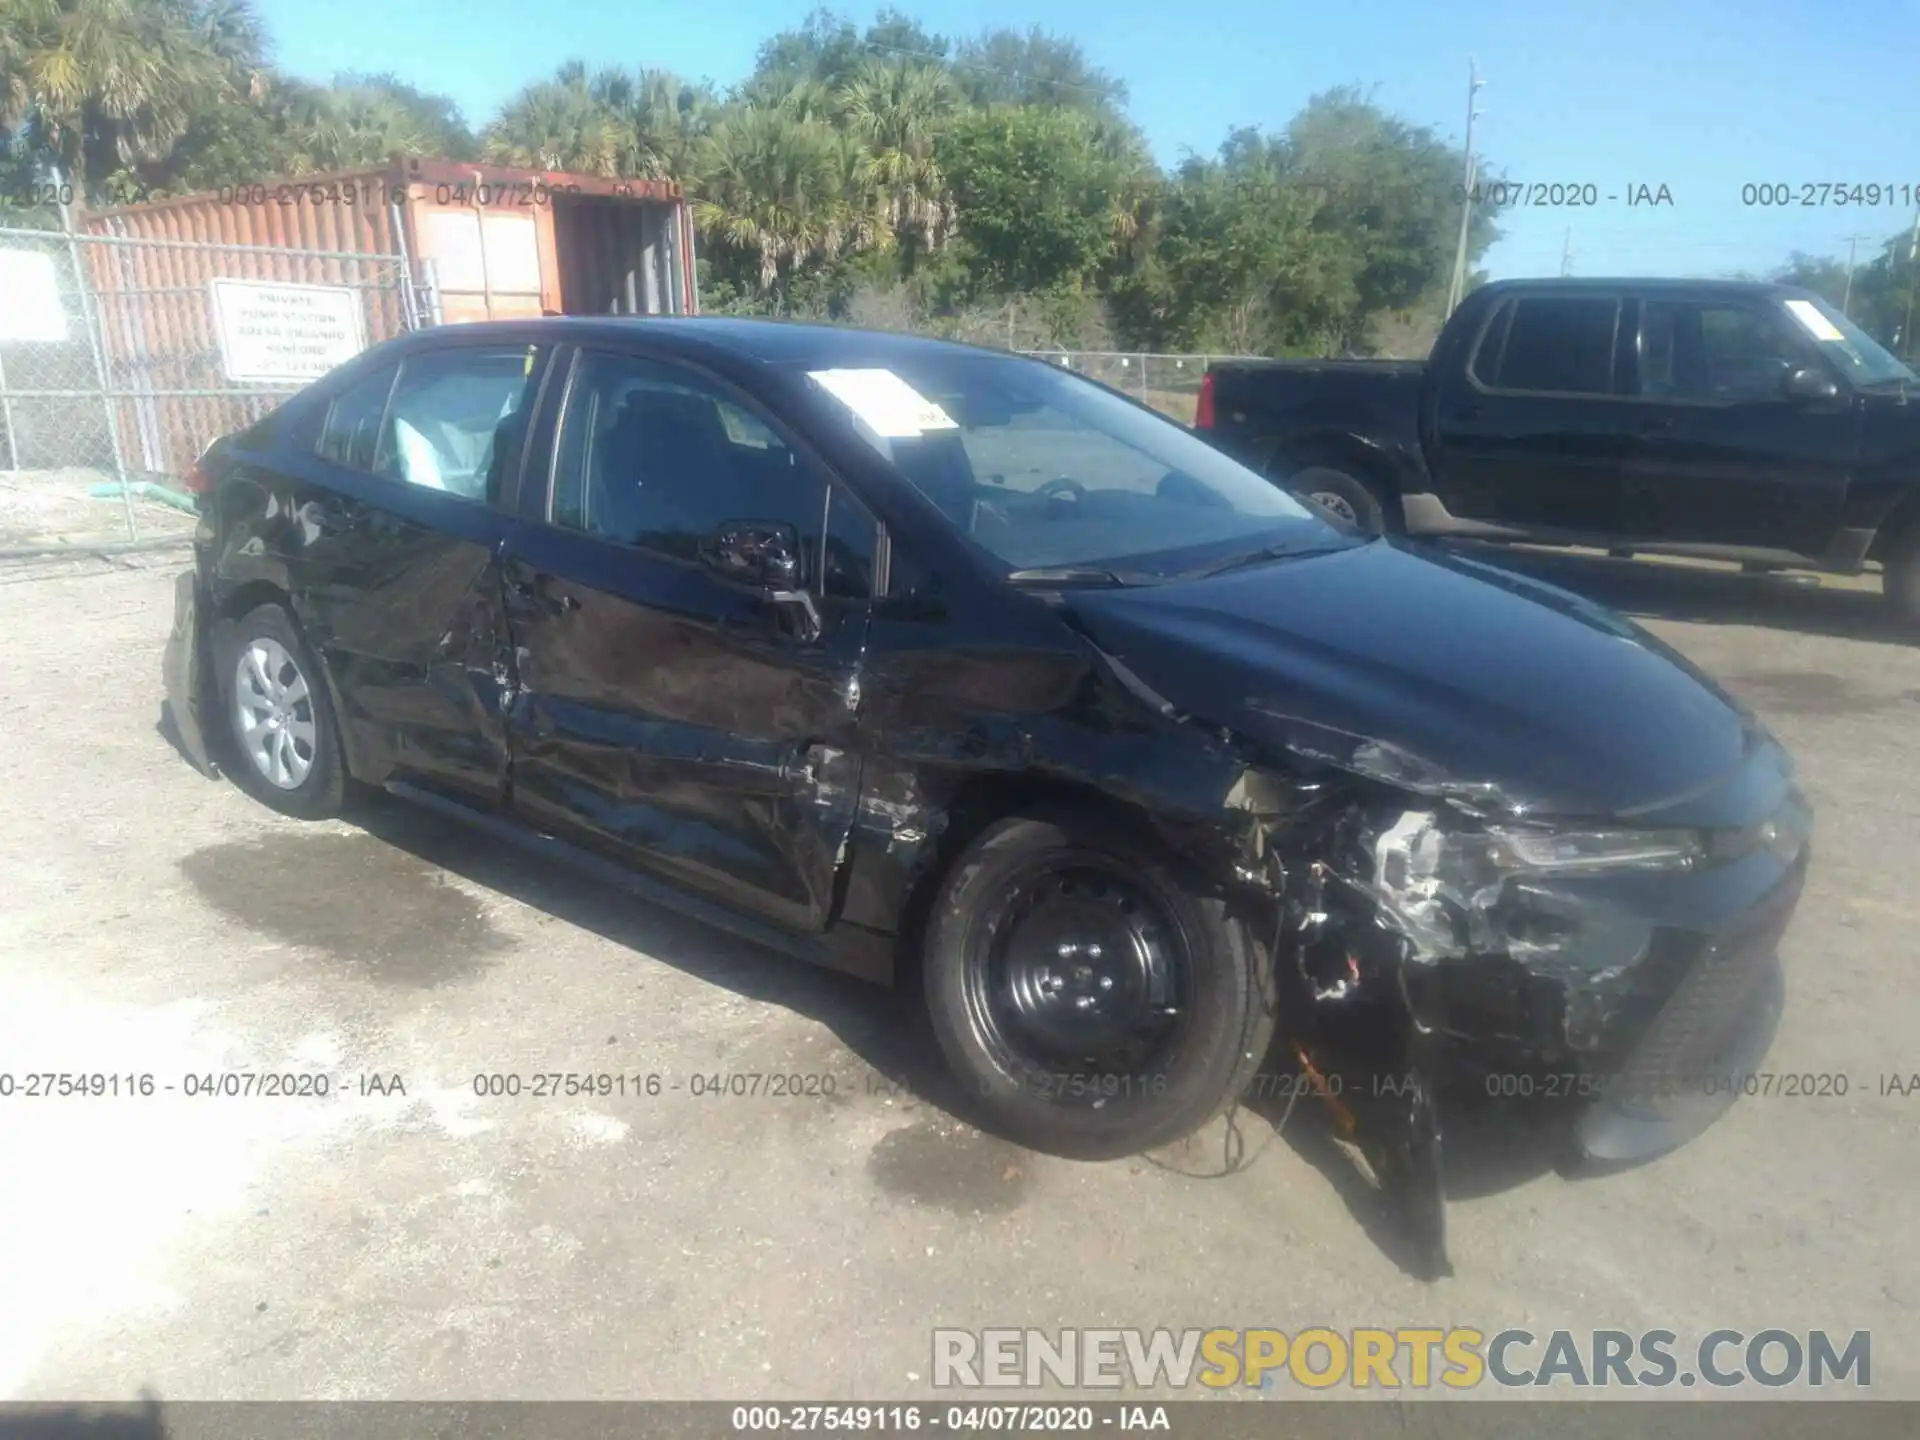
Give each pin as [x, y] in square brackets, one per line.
[777, 342]
[1650, 285]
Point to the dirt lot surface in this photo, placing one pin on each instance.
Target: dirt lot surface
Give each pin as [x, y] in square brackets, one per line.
[438, 1244]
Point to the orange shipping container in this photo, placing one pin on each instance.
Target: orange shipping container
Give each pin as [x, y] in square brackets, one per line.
[419, 241]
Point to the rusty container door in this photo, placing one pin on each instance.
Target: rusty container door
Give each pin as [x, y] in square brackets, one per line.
[620, 256]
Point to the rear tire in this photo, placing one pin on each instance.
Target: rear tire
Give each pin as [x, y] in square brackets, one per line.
[1900, 576]
[1067, 1042]
[1348, 497]
[279, 723]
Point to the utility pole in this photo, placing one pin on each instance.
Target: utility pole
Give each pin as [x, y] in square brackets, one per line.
[1913, 269]
[1566, 254]
[1846, 299]
[1457, 289]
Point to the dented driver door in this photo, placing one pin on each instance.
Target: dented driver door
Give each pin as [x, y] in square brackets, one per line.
[667, 713]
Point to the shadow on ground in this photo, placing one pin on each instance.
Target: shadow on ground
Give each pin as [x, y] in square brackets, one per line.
[1487, 1148]
[83, 1422]
[1706, 594]
[886, 1029]
[378, 906]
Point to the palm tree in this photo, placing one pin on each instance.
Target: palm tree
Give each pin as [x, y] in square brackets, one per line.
[232, 34]
[344, 128]
[671, 115]
[772, 190]
[613, 122]
[566, 123]
[96, 85]
[1135, 176]
[898, 111]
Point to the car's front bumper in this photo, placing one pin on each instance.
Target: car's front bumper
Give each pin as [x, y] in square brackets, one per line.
[1701, 1050]
[185, 669]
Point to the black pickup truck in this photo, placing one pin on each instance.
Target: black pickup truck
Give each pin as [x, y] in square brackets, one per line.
[1733, 421]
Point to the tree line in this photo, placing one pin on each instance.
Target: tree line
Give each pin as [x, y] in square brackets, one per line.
[992, 188]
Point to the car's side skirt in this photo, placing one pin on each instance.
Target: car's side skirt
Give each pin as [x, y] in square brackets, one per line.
[852, 949]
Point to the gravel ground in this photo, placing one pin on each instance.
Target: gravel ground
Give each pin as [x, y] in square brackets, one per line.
[436, 1244]
[40, 508]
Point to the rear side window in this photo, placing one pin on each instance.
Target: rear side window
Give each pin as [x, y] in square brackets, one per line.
[351, 432]
[1559, 344]
[457, 419]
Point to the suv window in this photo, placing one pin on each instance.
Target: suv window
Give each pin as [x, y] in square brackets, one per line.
[457, 417]
[657, 456]
[351, 432]
[1557, 343]
[1732, 354]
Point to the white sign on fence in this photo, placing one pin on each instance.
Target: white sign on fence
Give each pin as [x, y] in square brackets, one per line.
[271, 332]
[29, 297]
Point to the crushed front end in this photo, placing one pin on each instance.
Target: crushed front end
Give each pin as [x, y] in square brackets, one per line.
[1443, 943]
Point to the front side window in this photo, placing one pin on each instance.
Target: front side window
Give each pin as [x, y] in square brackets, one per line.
[1715, 353]
[659, 457]
[457, 418]
[1043, 468]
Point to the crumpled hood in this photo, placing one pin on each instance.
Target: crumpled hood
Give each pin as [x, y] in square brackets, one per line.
[1443, 672]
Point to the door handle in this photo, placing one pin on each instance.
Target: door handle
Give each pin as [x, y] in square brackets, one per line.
[1655, 424]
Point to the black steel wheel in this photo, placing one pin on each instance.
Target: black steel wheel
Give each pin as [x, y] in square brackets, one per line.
[1080, 974]
[1094, 1004]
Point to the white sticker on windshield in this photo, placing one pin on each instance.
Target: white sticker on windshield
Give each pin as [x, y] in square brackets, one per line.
[1812, 321]
[890, 407]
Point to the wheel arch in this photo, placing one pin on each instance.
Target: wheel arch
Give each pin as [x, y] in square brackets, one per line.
[978, 799]
[1902, 519]
[1338, 450]
[235, 604]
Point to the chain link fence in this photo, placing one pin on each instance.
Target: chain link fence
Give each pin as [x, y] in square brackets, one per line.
[1169, 383]
[114, 376]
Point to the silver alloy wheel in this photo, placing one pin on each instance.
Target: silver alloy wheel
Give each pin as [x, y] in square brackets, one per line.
[1338, 504]
[273, 713]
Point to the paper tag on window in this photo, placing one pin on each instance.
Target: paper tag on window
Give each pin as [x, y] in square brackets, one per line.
[1812, 321]
[890, 407]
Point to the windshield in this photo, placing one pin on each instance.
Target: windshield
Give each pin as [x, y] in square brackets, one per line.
[1045, 469]
[1857, 353]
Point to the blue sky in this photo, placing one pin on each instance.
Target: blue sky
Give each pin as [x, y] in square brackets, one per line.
[1702, 96]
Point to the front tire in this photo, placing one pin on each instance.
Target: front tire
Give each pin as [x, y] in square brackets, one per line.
[286, 747]
[1094, 1005]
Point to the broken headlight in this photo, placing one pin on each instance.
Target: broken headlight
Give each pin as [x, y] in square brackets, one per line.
[1562, 852]
[1443, 886]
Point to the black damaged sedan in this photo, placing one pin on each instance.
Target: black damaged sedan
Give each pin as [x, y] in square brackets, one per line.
[905, 656]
